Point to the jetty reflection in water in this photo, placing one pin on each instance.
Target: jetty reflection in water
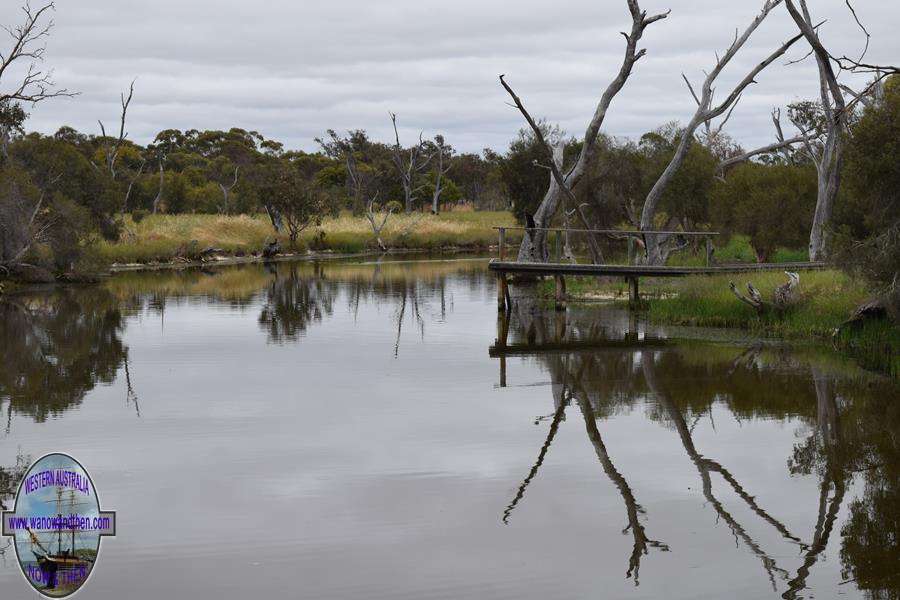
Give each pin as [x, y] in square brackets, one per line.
[336, 430]
[605, 365]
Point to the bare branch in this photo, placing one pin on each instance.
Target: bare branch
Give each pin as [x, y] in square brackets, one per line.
[29, 45]
[114, 147]
[862, 27]
[705, 112]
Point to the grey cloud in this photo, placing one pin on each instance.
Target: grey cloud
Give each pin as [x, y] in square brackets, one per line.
[293, 69]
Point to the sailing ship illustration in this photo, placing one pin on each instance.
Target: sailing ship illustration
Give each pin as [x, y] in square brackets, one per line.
[69, 565]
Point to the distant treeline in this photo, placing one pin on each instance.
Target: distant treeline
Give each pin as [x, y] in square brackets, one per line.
[80, 185]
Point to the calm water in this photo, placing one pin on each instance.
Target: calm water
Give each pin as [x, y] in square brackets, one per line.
[359, 430]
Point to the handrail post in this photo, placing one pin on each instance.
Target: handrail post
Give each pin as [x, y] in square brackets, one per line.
[502, 245]
[709, 251]
[558, 246]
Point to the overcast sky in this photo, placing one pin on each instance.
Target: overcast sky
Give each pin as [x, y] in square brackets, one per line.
[291, 69]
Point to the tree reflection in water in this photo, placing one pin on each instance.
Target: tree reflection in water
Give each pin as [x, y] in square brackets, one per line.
[55, 346]
[294, 302]
[609, 362]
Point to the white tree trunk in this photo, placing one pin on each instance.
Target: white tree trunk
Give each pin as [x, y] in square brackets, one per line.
[534, 242]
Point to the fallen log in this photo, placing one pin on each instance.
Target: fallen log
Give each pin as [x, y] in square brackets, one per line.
[783, 297]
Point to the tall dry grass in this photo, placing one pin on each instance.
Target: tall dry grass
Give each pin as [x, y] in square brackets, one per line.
[159, 238]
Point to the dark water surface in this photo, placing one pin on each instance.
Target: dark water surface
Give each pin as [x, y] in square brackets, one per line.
[359, 430]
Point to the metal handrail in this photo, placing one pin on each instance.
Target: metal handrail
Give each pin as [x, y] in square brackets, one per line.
[631, 235]
[609, 231]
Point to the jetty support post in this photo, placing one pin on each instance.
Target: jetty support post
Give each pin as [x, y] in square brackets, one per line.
[502, 340]
[634, 297]
[502, 292]
[560, 292]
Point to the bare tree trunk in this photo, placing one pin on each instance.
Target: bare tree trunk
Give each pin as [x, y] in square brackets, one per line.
[377, 227]
[159, 194]
[830, 162]
[131, 186]
[439, 174]
[5, 138]
[226, 192]
[656, 252]
[534, 242]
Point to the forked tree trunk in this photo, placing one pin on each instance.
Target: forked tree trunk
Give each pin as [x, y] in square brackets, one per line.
[534, 242]
[656, 245]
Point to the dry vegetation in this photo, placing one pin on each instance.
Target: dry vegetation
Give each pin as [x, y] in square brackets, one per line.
[161, 238]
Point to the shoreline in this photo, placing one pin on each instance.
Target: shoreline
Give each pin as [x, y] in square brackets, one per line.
[225, 261]
[821, 317]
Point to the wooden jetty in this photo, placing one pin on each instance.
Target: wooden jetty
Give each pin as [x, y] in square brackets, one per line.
[630, 273]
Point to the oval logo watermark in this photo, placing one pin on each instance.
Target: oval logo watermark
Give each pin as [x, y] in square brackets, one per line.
[57, 525]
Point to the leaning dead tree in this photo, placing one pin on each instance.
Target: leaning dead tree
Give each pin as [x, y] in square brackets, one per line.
[409, 164]
[112, 146]
[658, 247]
[534, 243]
[782, 299]
[556, 152]
[23, 224]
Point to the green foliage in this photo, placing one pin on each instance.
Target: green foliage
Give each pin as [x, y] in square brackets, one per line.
[295, 197]
[687, 197]
[772, 204]
[450, 193]
[872, 169]
[40, 233]
[525, 181]
[868, 215]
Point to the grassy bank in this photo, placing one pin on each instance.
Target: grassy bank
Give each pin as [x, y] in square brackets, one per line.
[162, 238]
[827, 298]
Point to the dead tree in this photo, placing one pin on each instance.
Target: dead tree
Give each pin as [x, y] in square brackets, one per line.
[373, 217]
[162, 181]
[443, 154]
[556, 153]
[28, 45]
[781, 144]
[226, 191]
[828, 153]
[409, 164]
[534, 243]
[23, 226]
[113, 146]
[783, 297]
[657, 247]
